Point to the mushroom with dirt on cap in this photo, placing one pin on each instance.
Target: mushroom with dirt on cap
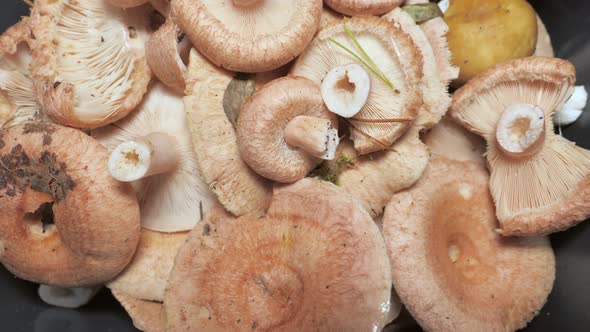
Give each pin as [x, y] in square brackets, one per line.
[450, 267]
[539, 180]
[153, 147]
[248, 35]
[315, 262]
[284, 130]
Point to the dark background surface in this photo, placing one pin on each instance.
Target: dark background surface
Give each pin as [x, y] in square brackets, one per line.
[568, 22]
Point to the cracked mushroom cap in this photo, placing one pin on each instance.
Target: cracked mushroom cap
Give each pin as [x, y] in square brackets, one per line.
[435, 93]
[248, 35]
[377, 125]
[449, 140]
[17, 99]
[363, 7]
[174, 200]
[262, 123]
[56, 174]
[450, 267]
[322, 267]
[541, 183]
[146, 277]
[147, 316]
[89, 61]
[237, 187]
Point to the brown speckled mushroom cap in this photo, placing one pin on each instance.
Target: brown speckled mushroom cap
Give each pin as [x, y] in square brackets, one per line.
[147, 316]
[261, 124]
[89, 63]
[363, 7]
[96, 218]
[394, 53]
[248, 36]
[450, 267]
[547, 190]
[321, 267]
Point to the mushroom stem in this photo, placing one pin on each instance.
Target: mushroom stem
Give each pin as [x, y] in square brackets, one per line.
[67, 297]
[152, 154]
[246, 3]
[316, 136]
[521, 130]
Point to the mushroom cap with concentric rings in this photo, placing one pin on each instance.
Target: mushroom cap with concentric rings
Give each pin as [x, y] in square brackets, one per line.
[450, 267]
[97, 221]
[315, 262]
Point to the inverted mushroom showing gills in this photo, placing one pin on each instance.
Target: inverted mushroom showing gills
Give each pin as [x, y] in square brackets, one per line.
[284, 130]
[315, 262]
[89, 63]
[540, 181]
[153, 147]
[450, 267]
[248, 35]
[363, 7]
[394, 65]
[65, 221]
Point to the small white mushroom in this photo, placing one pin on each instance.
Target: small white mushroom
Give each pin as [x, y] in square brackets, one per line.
[345, 89]
[573, 108]
[67, 297]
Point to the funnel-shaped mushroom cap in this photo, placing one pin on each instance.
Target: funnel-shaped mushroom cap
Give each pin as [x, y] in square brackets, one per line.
[147, 275]
[451, 269]
[96, 218]
[544, 46]
[547, 189]
[17, 99]
[262, 122]
[89, 60]
[238, 188]
[449, 140]
[434, 88]
[147, 316]
[248, 36]
[172, 201]
[378, 124]
[315, 262]
[363, 7]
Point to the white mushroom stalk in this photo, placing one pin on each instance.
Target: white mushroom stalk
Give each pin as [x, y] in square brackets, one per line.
[316, 136]
[345, 89]
[67, 297]
[155, 153]
[573, 108]
[521, 128]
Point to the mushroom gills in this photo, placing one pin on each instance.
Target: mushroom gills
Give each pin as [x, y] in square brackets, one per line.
[316, 136]
[67, 297]
[345, 89]
[520, 130]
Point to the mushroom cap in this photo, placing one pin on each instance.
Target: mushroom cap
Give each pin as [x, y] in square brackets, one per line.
[450, 267]
[146, 277]
[435, 93]
[436, 31]
[237, 187]
[147, 316]
[544, 46]
[329, 16]
[172, 201]
[17, 99]
[449, 140]
[547, 191]
[316, 262]
[363, 7]
[127, 3]
[162, 6]
[394, 53]
[96, 218]
[261, 123]
[89, 61]
[262, 37]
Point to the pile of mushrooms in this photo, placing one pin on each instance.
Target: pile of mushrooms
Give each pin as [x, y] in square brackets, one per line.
[272, 165]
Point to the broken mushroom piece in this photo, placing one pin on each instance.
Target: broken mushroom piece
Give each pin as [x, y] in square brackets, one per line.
[363, 7]
[449, 140]
[315, 262]
[248, 36]
[65, 221]
[284, 130]
[237, 187]
[153, 146]
[444, 250]
[166, 53]
[394, 65]
[71, 298]
[147, 316]
[539, 180]
[89, 64]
